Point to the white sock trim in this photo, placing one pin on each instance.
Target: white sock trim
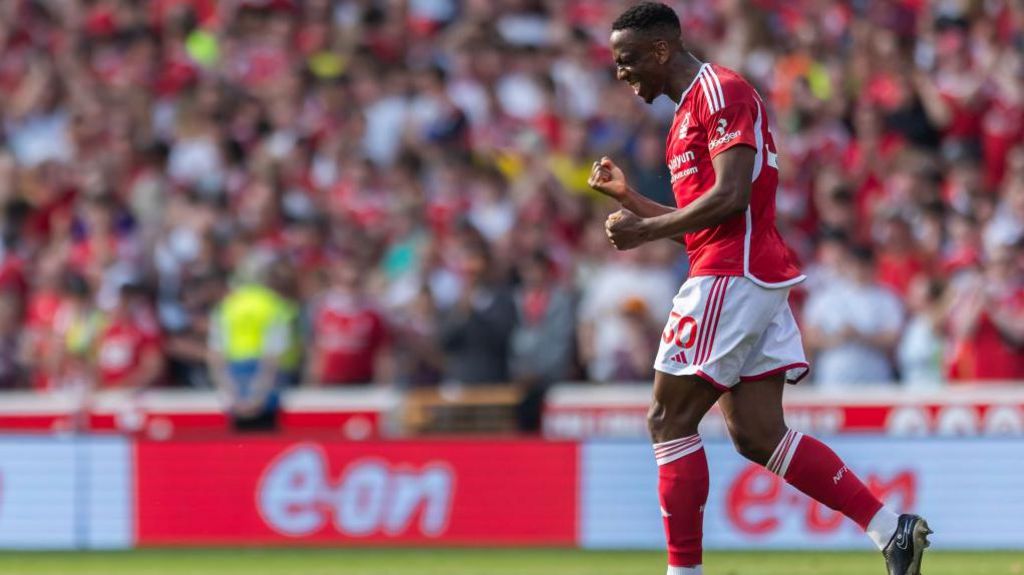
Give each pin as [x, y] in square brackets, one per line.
[669, 451]
[695, 570]
[882, 527]
[783, 455]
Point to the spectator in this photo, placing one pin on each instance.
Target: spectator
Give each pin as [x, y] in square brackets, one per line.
[900, 262]
[475, 332]
[615, 307]
[39, 340]
[631, 354]
[826, 269]
[77, 325]
[188, 332]
[987, 321]
[10, 365]
[921, 346]
[852, 324]
[542, 341]
[349, 338]
[165, 140]
[282, 281]
[129, 346]
[648, 174]
[251, 335]
[1007, 225]
[419, 360]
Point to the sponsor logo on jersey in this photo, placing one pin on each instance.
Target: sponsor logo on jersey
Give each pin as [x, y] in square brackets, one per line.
[684, 127]
[677, 161]
[724, 139]
[687, 172]
[680, 160]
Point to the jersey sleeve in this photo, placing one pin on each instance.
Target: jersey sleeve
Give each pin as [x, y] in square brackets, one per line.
[731, 114]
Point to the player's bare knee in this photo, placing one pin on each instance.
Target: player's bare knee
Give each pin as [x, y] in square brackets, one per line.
[652, 425]
[670, 421]
[757, 447]
[678, 403]
[657, 422]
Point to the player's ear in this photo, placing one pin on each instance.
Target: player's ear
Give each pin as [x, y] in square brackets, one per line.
[662, 51]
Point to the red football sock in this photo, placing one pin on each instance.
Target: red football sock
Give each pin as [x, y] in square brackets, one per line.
[813, 468]
[682, 491]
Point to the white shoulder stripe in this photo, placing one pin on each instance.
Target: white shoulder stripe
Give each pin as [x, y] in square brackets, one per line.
[710, 94]
[718, 86]
[704, 87]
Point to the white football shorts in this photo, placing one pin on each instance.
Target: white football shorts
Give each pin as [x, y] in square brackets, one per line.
[727, 329]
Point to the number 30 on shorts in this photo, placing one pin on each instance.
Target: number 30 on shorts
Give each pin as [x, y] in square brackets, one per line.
[684, 331]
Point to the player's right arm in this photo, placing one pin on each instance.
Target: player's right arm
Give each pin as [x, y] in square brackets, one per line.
[728, 198]
[607, 178]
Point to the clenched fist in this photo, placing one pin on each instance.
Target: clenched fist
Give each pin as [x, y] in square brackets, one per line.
[625, 230]
[607, 178]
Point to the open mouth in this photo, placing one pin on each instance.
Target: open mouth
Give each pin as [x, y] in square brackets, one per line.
[636, 87]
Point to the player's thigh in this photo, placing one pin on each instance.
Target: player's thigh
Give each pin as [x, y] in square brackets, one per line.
[753, 414]
[678, 403]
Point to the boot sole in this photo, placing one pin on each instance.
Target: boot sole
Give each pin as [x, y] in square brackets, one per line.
[921, 533]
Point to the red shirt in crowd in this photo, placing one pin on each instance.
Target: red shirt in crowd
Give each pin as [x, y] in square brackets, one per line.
[897, 271]
[121, 346]
[41, 321]
[1002, 128]
[348, 336]
[988, 355]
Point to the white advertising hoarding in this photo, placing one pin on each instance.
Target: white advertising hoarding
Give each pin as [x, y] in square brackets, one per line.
[970, 490]
[62, 493]
[65, 493]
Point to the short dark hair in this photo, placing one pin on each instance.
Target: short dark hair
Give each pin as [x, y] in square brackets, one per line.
[648, 16]
[863, 253]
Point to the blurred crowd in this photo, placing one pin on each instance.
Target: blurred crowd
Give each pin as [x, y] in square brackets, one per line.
[251, 194]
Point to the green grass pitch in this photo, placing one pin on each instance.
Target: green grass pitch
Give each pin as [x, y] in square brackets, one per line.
[476, 562]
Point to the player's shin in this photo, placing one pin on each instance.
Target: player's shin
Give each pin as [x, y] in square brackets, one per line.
[683, 491]
[813, 468]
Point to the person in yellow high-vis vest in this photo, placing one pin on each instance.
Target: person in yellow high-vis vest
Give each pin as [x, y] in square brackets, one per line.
[253, 353]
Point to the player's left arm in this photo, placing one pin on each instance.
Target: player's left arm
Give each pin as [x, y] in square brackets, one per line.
[727, 198]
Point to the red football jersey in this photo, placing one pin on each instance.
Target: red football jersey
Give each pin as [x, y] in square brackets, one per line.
[121, 346]
[349, 336]
[718, 111]
[987, 354]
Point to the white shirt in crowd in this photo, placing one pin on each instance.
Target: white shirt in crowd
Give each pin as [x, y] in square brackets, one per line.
[870, 310]
[920, 353]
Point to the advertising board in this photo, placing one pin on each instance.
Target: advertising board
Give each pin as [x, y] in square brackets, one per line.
[273, 491]
[969, 489]
[65, 492]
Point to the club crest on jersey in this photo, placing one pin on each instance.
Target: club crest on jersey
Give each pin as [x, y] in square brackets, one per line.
[721, 127]
[684, 127]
